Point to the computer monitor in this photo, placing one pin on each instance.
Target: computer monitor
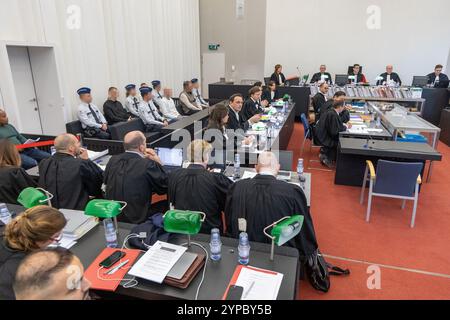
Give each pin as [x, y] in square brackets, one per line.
[341, 80]
[170, 157]
[420, 81]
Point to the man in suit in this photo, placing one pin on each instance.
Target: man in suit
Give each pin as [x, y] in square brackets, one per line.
[320, 98]
[437, 79]
[389, 77]
[237, 120]
[253, 105]
[322, 76]
[92, 120]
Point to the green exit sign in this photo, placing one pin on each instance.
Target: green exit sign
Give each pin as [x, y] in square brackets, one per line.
[214, 47]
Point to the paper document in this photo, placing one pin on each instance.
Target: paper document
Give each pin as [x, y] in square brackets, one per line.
[259, 284]
[157, 262]
[30, 141]
[248, 175]
[96, 155]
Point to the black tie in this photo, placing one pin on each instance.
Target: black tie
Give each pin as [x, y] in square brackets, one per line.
[151, 109]
[95, 115]
[135, 104]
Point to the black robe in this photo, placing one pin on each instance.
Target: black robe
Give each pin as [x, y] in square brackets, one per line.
[133, 179]
[318, 101]
[264, 200]
[12, 181]
[267, 95]
[275, 78]
[251, 108]
[443, 80]
[115, 112]
[394, 77]
[318, 77]
[9, 263]
[329, 127]
[71, 180]
[344, 115]
[234, 123]
[197, 189]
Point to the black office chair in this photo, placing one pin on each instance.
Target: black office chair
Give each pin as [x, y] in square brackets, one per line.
[266, 81]
[74, 127]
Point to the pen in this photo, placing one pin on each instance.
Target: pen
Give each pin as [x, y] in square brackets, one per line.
[249, 289]
[114, 270]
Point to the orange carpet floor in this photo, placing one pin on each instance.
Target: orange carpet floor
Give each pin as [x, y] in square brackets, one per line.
[412, 263]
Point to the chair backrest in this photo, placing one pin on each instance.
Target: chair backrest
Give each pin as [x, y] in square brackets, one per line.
[120, 130]
[267, 80]
[397, 178]
[74, 127]
[306, 126]
[286, 158]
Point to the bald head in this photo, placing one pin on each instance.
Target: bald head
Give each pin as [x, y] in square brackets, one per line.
[68, 143]
[268, 163]
[389, 68]
[135, 141]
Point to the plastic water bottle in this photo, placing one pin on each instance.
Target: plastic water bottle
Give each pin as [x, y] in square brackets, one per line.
[300, 170]
[237, 166]
[5, 215]
[215, 245]
[244, 249]
[110, 233]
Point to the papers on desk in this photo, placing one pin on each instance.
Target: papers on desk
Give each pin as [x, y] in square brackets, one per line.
[258, 284]
[248, 175]
[97, 155]
[78, 224]
[157, 262]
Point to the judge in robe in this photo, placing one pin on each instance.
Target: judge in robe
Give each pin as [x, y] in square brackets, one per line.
[132, 102]
[188, 101]
[322, 76]
[92, 120]
[278, 76]
[264, 200]
[328, 129]
[13, 178]
[197, 189]
[148, 113]
[437, 79]
[320, 99]
[69, 175]
[157, 93]
[271, 94]
[198, 96]
[133, 177]
[338, 97]
[237, 120]
[168, 108]
[113, 108]
[359, 77]
[389, 77]
[253, 105]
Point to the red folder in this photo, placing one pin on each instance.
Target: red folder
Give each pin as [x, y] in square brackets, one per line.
[98, 277]
[236, 274]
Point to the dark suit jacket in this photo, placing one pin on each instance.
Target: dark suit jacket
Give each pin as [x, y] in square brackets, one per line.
[443, 80]
[267, 96]
[275, 78]
[234, 123]
[318, 101]
[251, 108]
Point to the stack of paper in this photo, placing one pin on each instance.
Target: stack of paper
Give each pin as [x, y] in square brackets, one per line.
[78, 224]
[97, 155]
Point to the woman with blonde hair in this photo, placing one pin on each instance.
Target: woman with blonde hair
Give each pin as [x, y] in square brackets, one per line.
[13, 178]
[33, 230]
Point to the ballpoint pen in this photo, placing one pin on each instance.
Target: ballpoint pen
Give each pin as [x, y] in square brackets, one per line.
[249, 289]
[115, 269]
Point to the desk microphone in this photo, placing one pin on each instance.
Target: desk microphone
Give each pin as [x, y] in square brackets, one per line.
[368, 140]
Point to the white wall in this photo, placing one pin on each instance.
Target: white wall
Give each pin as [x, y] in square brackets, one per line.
[414, 36]
[119, 42]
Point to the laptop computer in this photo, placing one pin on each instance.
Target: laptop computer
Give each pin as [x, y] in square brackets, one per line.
[420, 81]
[172, 159]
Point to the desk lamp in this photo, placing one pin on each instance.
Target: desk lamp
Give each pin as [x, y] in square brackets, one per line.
[105, 209]
[283, 230]
[32, 197]
[183, 222]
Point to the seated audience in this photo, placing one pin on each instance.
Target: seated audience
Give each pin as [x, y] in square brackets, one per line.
[322, 76]
[359, 77]
[51, 274]
[132, 102]
[198, 96]
[237, 120]
[389, 77]
[69, 175]
[13, 178]
[320, 98]
[35, 229]
[92, 120]
[157, 94]
[195, 188]
[271, 94]
[253, 105]
[133, 177]
[168, 108]
[328, 129]
[30, 157]
[438, 79]
[188, 101]
[338, 97]
[278, 76]
[148, 113]
[264, 200]
[113, 108]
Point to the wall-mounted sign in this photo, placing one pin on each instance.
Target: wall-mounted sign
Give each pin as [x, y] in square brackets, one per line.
[240, 9]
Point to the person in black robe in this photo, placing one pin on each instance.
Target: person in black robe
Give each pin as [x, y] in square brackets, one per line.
[13, 178]
[328, 129]
[320, 99]
[264, 200]
[438, 79]
[322, 76]
[197, 189]
[113, 109]
[392, 77]
[338, 97]
[253, 105]
[278, 76]
[360, 78]
[237, 120]
[133, 177]
[271, 94]
[69, 175]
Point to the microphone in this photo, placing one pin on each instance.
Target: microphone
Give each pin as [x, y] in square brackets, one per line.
[369, 139]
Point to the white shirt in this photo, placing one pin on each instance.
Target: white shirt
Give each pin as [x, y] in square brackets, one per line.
[198, 97]
[168, 108]
[86, 117]
[280, 80]
[132, 105]
[149, 114]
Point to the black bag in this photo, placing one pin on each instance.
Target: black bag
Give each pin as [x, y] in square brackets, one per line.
[91, 132]
[318, 271]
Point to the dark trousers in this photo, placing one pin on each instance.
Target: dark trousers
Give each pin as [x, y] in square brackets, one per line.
[329, 152]
[97, 133]
[190, 112]
[153, 127]
[31, 157]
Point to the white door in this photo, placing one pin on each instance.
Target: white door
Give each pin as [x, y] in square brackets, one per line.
[213, 68]
[25, 92]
